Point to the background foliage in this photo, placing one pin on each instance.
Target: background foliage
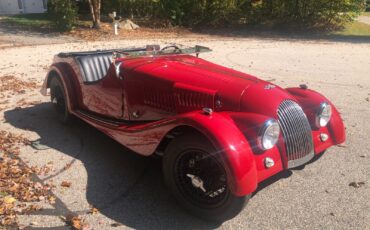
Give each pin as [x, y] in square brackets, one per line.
[63, 13]
[307, 13]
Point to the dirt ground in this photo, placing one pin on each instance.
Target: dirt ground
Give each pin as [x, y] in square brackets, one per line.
[128, 189]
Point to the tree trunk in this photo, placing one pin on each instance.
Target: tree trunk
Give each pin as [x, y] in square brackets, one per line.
[95, 6]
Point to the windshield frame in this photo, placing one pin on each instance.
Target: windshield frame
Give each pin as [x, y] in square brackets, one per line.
[153, 51]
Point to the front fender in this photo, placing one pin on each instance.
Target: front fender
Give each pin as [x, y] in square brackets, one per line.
[232, 134]
[310, 101]
[228, 139]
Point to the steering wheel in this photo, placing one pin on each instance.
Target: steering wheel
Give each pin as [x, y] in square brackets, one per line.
[175, 47]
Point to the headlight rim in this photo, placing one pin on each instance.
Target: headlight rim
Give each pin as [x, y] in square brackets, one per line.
[319, 115]
[267, 124]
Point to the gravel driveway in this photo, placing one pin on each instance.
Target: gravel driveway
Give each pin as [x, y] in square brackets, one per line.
[128, 189]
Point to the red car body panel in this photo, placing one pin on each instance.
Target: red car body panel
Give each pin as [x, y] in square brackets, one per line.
[154, 95]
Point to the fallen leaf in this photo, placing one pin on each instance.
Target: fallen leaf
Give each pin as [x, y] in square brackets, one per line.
[75, 222]
[2, 193]
[9, 200]
[34, 223]
[67, 166]
[115, 225]
[356, 184]
[51, 199]
[93, 210]
[66, 184]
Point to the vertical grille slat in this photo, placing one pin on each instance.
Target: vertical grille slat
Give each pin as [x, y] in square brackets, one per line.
[296, 132]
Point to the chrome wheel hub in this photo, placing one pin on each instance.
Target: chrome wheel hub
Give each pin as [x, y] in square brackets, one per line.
[197, 182]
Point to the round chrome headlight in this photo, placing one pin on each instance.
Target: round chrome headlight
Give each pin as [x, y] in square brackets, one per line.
[269, 134]
[324, 114]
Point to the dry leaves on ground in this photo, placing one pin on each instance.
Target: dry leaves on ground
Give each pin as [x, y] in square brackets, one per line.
[16, 185]
[106, 32]
[11, 83]
[44, 170]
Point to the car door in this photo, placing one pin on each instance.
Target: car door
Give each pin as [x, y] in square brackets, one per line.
[102, 90]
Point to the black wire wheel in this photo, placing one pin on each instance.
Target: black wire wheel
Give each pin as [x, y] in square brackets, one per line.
[197, 176]
[59, 100]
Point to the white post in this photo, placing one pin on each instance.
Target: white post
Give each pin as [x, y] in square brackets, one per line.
[115, 28]
[115, 24]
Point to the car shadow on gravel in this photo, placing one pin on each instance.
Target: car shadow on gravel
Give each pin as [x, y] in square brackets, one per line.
[124, 186]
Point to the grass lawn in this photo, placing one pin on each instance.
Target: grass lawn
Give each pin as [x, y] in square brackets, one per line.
[354, 29]
[30, 21]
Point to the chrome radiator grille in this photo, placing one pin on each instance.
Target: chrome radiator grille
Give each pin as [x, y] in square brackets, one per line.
[296, 132]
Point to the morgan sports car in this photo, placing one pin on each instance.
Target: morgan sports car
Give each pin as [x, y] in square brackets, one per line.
[220, 132]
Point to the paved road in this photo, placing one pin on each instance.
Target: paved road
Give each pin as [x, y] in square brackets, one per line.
[128, 189]
[12, 36]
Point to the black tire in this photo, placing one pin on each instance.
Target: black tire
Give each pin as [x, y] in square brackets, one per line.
[184, 164]
[59, 100]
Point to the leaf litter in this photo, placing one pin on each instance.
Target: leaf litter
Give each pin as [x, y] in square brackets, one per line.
[17, 187]
[16, 184]
[12, 83]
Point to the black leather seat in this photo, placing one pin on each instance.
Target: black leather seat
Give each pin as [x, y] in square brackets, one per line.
[94, 67]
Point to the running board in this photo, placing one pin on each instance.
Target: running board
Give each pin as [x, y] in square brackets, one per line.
[106, 121]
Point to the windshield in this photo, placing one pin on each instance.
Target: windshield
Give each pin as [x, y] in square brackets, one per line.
[154, 50]
[149, 50]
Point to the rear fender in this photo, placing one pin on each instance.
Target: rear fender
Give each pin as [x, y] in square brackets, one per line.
[69, 81]
[310, 101]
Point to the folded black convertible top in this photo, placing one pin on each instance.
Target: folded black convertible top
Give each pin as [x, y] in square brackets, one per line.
[87, 53]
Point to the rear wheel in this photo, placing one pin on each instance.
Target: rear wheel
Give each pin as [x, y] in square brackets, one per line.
[196, 175]
[59, 100]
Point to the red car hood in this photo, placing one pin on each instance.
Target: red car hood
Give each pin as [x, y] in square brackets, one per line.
[237, 91]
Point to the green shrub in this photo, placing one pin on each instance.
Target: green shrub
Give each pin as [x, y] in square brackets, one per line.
[307, 13]
[63, 13]
[299, 13]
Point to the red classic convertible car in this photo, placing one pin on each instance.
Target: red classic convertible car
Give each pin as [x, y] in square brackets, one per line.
[220, 132]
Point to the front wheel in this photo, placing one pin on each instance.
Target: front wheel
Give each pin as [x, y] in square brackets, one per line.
[196, 175]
